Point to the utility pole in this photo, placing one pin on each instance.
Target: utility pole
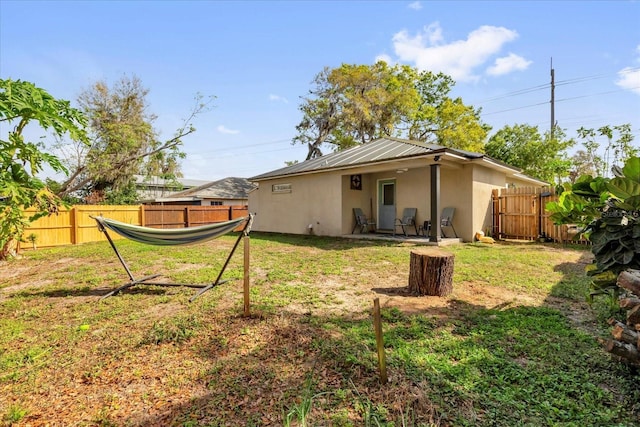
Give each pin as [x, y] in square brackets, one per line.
[553, 98]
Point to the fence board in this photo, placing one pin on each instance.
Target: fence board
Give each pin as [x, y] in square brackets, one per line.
[75, 225]
[519, 213]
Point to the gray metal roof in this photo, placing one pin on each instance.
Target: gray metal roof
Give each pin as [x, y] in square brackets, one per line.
[372, 152]
[226, 188]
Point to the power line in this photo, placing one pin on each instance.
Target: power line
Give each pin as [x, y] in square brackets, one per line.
[546, 86]
[516, 108]
[239, 147]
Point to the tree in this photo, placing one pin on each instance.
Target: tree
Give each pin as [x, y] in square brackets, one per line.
[354, 104]
[458, 126]
[615, 152]
[583, 162]
[541, 156]
[123, 141]
[22, 103]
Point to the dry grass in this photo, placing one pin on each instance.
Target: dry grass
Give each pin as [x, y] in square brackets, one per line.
[149, 357]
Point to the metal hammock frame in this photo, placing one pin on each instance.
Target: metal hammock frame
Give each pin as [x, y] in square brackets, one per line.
[171, 237]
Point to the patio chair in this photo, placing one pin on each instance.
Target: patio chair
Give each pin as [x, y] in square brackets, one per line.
[408, 220]
[362, 221]
[446, 220]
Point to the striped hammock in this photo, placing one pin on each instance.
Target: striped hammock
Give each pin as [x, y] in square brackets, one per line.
[169, 236]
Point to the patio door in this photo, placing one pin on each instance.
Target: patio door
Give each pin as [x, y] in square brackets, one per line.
[386, 204]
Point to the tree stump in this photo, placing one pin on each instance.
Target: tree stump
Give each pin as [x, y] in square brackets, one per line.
[431, 272]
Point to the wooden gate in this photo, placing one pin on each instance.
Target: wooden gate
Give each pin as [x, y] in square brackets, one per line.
[519, 213]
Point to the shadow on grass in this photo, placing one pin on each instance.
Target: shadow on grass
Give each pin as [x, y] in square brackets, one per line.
[87, 292]
[321, 242]
[485, 366]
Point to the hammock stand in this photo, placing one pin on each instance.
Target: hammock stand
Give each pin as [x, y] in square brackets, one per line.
[176, 236]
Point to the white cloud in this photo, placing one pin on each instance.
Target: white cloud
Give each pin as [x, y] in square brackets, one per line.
[507, 64]
[278, 98]
[416, 5]
[428, 50]
[629, 77]
[223, 129]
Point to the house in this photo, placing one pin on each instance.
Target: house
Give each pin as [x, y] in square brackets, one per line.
[150, 187]
[225, 192]
[382, 178]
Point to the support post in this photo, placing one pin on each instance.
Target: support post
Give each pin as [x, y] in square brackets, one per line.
[377, 324]
[434, 232]
[247, 311]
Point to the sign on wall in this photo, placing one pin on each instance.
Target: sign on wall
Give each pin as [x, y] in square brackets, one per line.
[281, 188]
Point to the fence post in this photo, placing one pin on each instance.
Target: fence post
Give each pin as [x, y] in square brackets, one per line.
[495, 232]
[142, 218]
[74, 215]
[187, 213]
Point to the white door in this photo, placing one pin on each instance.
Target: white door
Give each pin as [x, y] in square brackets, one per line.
[386, 204]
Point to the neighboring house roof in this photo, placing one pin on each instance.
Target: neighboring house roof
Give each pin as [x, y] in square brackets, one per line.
[382, 150]
[226, 188]
[231, 188]
[154, 181]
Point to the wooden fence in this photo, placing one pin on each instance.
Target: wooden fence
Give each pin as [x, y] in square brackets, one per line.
[75, 225]
[519, 213]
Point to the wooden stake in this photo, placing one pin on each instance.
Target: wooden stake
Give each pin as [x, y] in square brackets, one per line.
[247, 311]
[377, 324]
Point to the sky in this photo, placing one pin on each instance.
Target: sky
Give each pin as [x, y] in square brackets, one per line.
[258, 59]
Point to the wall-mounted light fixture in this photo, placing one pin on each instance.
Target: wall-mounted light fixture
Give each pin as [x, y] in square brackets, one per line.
[403, 170]
[436, 159]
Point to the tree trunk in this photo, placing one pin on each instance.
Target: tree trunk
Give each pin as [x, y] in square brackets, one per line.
[626, 337]
[630, 280]
[431, 272]
[629, 303]
[622, 332]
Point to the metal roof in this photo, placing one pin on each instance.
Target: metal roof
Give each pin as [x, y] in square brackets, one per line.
[379, 150]
[226, 188]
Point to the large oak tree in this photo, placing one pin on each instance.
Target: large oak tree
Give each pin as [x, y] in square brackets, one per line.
[354, 104]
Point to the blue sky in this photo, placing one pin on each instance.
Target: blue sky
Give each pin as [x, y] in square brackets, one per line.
[258, 58]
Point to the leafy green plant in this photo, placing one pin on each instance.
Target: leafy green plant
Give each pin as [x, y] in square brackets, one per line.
[15, 414]
[301, 411]
[609, 212]
[21, 160]
[33, 238]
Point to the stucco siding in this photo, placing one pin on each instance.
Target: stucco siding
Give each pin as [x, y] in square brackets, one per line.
[456, 190]
[312, 200]
[484, 181]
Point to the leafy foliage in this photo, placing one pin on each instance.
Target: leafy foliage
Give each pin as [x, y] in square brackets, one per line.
[354, 104]
[609, 211]
[123, 141]
[596, 160]
[541, 156]
[21, 160]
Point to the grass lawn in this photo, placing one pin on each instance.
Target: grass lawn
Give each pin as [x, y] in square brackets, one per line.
[513, 345]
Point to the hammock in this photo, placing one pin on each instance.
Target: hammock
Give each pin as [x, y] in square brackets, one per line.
[170, 237]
